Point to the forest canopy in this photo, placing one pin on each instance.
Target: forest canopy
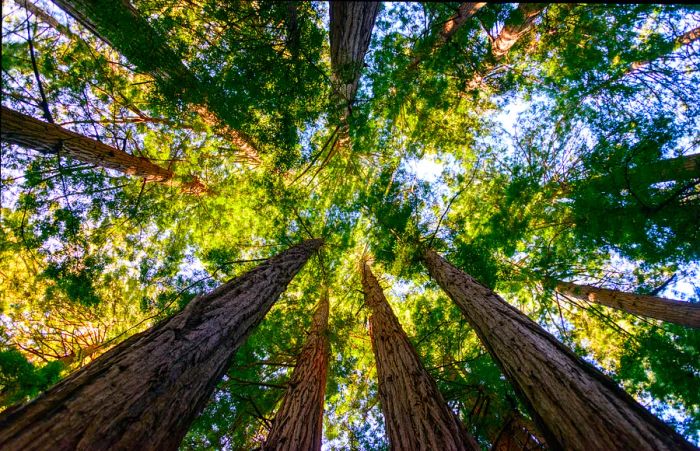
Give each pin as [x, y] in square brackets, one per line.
[359, 164]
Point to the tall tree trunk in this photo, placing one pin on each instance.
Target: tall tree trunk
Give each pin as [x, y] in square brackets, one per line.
[351, 25]
[121, 26]
[465, 11]
[670, 310]
[683, 40]
[676, 169]
[28, 132]
[575, 406]
[145, 392]
[298, 425]
[415, 414]
[518, 24]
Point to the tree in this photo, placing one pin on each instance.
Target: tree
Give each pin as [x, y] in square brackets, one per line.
[128, 397]
[415, 413]
[350, 33]
[25, 131]
[574, 404]
[298, 423]
[671, 310]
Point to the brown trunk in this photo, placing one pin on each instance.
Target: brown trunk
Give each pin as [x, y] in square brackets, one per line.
[415, 414]
[28, 132]
[682, 168]
[518, 434]
[576, 406]
[351, 26]
[298, 425]
[114, 21]
[670, 310]
[145, 392]
[465, 11]
[515, 27]
[683, 40]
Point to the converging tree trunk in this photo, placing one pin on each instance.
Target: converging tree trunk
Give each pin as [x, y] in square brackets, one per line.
[145, 392]
[464, 12]
[415, 414]
[298, 425]
[670, 310]
[575, 406]
[114, 21]
[351, 25]
[519, 23]
[684, 168]
[31, 133]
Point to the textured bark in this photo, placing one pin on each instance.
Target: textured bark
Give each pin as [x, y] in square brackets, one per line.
[670, 310]
[298, 425]
[415, 414]
[575, 406]
[464, 12]
[351, 25]
[145, 392]
[518, 434]
[28, 132]
[121, 26]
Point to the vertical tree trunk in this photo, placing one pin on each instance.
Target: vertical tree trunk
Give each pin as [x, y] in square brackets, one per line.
[25, 131]
[575, 406]
[144, 393]
[415, 414]
[351, 25]
[119, 24]
[298, 425]
[670, 310]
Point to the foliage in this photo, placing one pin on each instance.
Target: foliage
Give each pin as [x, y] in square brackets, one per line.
[553, 162]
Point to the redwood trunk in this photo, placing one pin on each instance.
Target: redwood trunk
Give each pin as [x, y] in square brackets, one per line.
[515, 28]
[119, 24]
[28, 132]
[464, 12]
[298, 425]
[351, 26]
[145, 392]
[670, 310]
[575, 406]
[415, 414]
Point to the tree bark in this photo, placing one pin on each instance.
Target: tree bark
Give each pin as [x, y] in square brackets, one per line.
[298, 425]
[516, 26]
[415, 414]
[120, 25]
[351, 25]
[145, 392]
[28, 132]
[669, 310]
[575, 406]
[465, 11]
